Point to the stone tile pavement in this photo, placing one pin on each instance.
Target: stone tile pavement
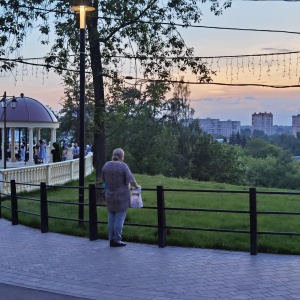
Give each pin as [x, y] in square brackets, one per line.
[75, 266]
[12, 292]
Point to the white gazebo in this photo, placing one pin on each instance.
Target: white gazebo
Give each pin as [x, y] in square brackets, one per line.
[29, 114]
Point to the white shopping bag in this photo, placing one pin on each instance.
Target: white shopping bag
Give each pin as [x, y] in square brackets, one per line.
[136, 198]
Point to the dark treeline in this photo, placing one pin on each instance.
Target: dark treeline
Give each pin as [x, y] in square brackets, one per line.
[150, 128]
[269, 160]
[156, 141]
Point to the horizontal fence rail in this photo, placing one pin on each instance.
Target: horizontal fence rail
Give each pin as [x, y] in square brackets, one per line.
[161, 209]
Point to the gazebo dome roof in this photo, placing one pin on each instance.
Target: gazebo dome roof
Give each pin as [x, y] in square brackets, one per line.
[27, 110]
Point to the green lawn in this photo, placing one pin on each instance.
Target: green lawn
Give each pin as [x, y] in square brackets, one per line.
[174, 218]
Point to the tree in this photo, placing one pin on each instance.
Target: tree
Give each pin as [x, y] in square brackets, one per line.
[69, 114]
[259, 148]
[187, 136]
[243, 141]
[154, 98]
[115, 29]
[232, 139]
[214, 161]
[155, 140]
[178, 108]
[238, 139]
[246, 132]
[260, 172]
[259, 134]
[280, 172]
[287, 142]
[56, 152]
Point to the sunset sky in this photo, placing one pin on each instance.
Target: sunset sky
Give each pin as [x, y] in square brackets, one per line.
[215, 101]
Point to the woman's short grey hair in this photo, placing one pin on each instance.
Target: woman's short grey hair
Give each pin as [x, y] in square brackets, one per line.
[118, 154]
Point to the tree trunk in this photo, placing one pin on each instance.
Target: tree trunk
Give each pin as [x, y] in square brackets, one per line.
[99, 116]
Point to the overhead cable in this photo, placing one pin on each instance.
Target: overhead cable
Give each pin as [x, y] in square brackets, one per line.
[174, 24]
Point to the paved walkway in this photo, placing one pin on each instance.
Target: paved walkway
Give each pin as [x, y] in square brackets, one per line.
[77, 267]
[17, 164]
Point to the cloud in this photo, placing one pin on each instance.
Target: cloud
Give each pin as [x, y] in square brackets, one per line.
[249, 98]
[223, 100]
[204, 99]
[276, 49]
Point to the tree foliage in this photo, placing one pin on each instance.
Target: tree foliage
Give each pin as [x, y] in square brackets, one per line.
[287, 142]
[214, 161]
[152, 136]
[268, 165]
[238, 139]
[144, 29]
[69, 114]
[259, 148]
[164, 141]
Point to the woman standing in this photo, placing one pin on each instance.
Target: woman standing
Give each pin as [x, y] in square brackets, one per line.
[23, 151]
[42, 154]
[117, 178]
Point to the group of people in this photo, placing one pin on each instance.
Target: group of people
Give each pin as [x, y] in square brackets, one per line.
[40, 153]
[20, 154]
[76, 150]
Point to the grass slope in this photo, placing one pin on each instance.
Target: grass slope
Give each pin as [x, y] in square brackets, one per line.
[192, 219]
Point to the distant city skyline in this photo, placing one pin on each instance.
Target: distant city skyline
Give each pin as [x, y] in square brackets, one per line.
[241, 109]
[250, 117]
[260, 122]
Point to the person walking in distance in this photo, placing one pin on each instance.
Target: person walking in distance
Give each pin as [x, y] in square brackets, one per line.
[117, 177]
[75, 151]
[64, 152]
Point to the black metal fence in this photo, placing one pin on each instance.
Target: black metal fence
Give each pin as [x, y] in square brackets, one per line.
[161, 209]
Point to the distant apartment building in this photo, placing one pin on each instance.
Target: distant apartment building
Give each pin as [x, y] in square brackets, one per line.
[229, 127]
[263, 122]
[295, 125]
[209, 125]
[215, 126]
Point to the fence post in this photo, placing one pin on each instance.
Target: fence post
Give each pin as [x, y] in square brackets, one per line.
[253, 221]
[14, 203]
[0, 205]
[44, 208]
[93, 213]
[161, 218]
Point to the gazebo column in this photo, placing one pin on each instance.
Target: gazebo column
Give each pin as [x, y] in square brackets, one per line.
[53, 139]
[3, 145]
[38, 135]
[30, 159]
[19, 146]
[13, 141]
[53, 135]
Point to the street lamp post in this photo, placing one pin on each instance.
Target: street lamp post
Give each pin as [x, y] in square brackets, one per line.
[13, 104]
[82, 9]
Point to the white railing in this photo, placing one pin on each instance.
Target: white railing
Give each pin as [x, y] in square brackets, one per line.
[52, 174]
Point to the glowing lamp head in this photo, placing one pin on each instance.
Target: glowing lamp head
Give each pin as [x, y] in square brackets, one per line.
[82, 9]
